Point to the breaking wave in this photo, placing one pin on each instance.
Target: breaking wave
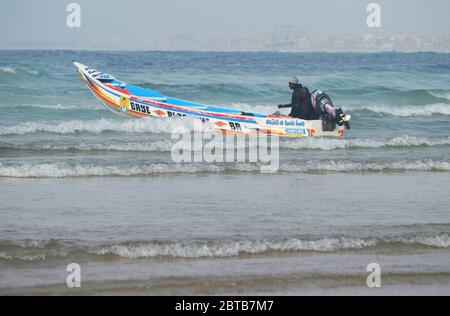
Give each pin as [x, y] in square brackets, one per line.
[331, 144]
[339, 166]
[61, 170]
[212, 249]
[56, 106]
[6, 256]
[155, 146]
[8, 70]
[168, 125]
[401, 111]
[101, 125]
[406, 110]
[442, 94]
[236, 248]
[298, 144]
[229, 248]
[14, 71]
[26, 243]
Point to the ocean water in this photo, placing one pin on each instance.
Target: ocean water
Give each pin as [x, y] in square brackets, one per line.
[80, 184]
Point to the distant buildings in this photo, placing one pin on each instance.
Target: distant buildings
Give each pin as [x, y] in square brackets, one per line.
[288, 39]
[282, 39]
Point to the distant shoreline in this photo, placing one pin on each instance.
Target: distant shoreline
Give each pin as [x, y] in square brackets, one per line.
[227, 51]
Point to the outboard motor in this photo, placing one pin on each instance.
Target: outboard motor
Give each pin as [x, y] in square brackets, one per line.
[329, 115]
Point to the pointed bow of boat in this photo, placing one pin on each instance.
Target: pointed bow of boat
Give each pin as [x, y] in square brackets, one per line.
[79, 66]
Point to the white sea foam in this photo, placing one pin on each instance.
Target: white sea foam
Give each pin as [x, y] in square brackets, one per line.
[30, 243]
[230, 248]
[158, 146]
[226, 248]
[444, 95]
[405, 110]
[12, 70]
[59, 170]
[7, 70]
[34, 257]
[155, 146]
[236, 248]
[100, 125]
[297, 144]
[331, 144]
[402, 111]
[340, 166]
[438, 241]
[59, 106]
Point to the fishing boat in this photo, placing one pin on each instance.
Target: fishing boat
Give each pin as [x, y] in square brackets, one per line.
[137, 102]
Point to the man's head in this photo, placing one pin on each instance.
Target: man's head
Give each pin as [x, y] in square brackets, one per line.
[293, 83]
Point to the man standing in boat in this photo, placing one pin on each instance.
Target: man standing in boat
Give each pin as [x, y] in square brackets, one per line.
[298, 98]
[314, 106]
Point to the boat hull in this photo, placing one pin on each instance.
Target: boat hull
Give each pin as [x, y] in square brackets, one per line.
[119, 98]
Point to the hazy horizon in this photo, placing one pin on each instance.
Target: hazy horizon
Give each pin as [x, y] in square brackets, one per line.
[181, 25]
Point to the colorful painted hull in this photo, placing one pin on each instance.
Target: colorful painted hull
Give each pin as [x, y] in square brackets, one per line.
[131, 101]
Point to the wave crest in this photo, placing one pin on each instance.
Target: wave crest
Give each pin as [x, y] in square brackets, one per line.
[58, 106]
[8, 70]
[223, 248]
[331, 144]
[406, 110]
[326, 144]
[60, 170]
[230, 248]
[14, 71]
[101, 125]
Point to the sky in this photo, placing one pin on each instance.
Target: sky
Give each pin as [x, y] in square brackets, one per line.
[42, 24]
